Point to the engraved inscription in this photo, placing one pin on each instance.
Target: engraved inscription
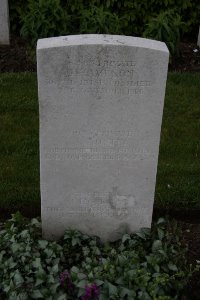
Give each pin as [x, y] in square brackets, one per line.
[105, 133]
[123, 154]
[98, 145]
[98, 204]
[87, 75]
[100, 88]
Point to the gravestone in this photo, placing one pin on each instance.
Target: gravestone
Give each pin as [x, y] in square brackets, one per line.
[101, 101]
[4, 23]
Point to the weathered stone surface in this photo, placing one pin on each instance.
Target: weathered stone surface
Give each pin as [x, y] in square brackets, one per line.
[101, 101]
[4, 23]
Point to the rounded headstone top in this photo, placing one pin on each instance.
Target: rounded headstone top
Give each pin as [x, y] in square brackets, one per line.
[100, 39]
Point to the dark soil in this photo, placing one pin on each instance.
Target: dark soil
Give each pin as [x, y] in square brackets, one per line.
[191, 234]
[188, 59]
[17, 58]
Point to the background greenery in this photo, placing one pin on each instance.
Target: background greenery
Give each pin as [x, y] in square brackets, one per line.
[35, 19]
[178, 184]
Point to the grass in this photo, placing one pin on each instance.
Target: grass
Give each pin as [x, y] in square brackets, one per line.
[19, 146]
[178, 184]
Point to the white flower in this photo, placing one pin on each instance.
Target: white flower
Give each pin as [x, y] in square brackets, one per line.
[198, 261]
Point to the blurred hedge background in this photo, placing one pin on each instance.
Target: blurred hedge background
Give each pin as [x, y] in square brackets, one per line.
[164, 20]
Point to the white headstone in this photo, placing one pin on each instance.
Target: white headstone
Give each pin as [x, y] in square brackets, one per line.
[4, 23]
[101, 101]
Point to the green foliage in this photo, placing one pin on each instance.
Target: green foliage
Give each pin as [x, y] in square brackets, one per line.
[165, 27]
[99, 20]
[44, 18]
[16, 9]
[29, 265]
[145, 265]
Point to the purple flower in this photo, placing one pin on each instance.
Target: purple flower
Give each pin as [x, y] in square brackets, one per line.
[63, 276]
[91, 292]
[65, 280]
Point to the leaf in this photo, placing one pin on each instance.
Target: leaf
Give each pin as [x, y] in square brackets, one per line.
[131, 273]
[125, 238]
[103, 297]
[91, 275]
[24, 233]
[104, 261]
[62, 297]
[112, 289]
[18, 279]
[37, 263]
[50, 279]
[7, 288]
[15, 247]
[76, 241]
[160, 233]
[55, 269]
[81, 276]
[82, 283]
[48, 252]
[157, 268]
[43, 244]
[108, 3]
[40, 273]
[39, 281]
[161, 221]
[126, 292]
[34, 221]
[22, 296]
[157, 245]
[2, 254]
[144, 295]
[54, 287]
[141, 235]
[146, 231]
[172, 267]
[74, 270]
[37, 295]
[12, 265]
[155, 275]
[81, 292]
[163, 253]
[99, 282]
